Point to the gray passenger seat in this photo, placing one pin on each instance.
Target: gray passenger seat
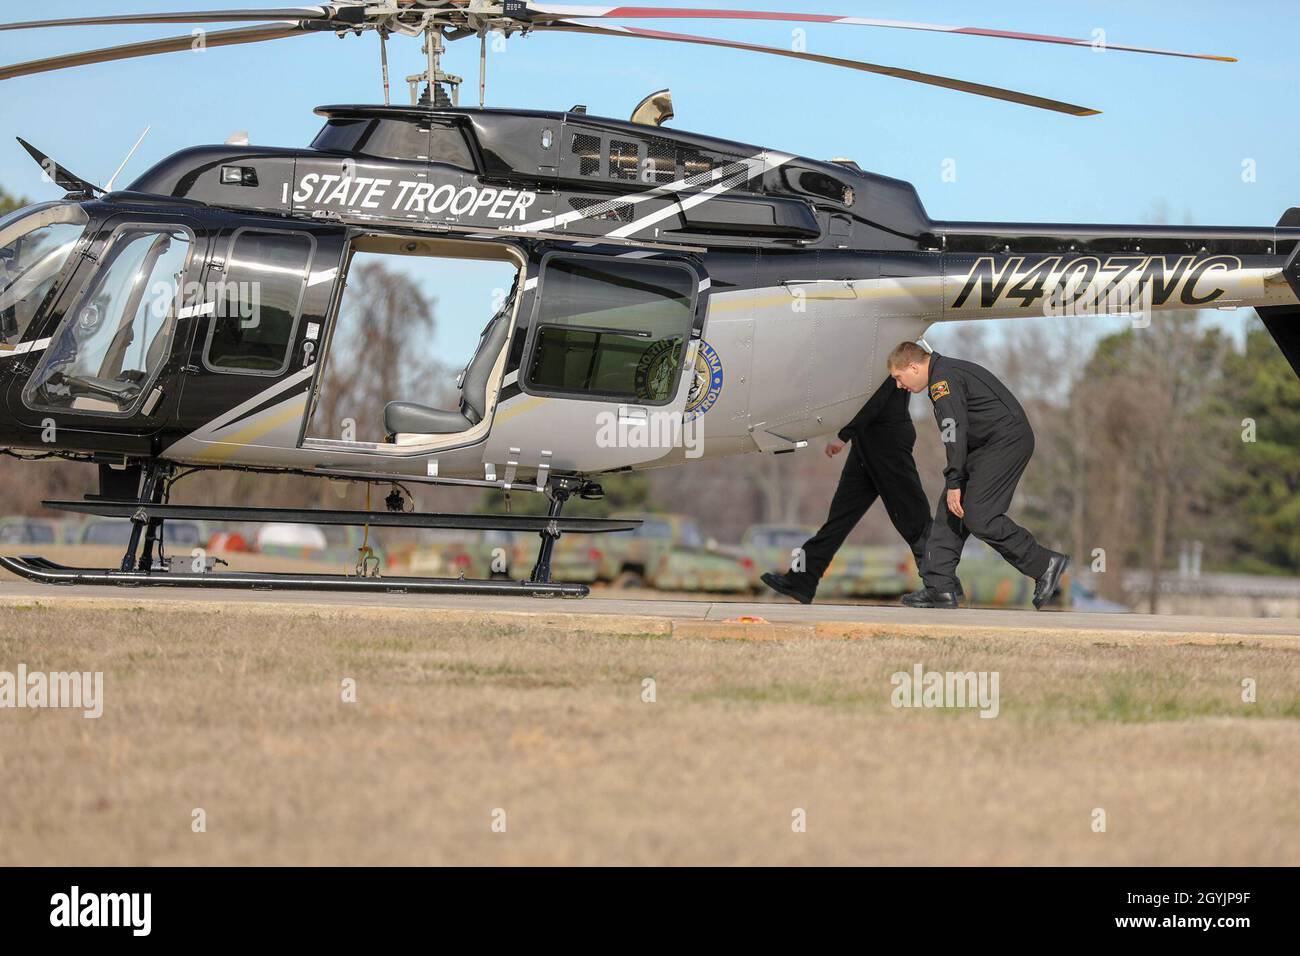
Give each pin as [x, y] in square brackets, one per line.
[408, 418]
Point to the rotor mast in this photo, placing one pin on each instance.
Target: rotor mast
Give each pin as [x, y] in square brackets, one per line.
[441, 89]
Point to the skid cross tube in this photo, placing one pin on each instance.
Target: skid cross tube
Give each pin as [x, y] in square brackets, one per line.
[388, 519]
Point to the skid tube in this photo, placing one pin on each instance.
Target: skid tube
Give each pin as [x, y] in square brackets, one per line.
[40, 570]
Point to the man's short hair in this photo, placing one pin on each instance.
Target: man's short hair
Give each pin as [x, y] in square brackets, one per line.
[906, 354]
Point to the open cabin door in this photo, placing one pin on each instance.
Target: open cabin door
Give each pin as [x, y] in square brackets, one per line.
[599, 380]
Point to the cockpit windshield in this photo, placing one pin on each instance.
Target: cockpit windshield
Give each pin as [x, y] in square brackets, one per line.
[34, 246]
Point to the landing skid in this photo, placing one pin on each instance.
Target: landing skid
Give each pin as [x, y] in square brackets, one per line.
[47, 572]
[152, 509]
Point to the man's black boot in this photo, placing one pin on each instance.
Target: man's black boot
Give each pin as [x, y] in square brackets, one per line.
[930, 597]
[1045, 588]
[785, 584]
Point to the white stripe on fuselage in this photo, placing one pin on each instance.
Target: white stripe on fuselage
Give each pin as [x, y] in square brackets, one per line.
[22, 348]
[224, 419]
[717, 181]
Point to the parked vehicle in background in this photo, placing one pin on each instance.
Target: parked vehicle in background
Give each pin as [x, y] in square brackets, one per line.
[503, 555]
[178, 534]
[445, 553]
[23, 530]
[990, 582]
[858, 571]
[669, 552]
[511, 555]
[1085, 599]
[577, 558]
[336, 544]
[290, 537]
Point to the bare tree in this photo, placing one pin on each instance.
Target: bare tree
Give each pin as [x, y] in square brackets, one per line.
[380, 353]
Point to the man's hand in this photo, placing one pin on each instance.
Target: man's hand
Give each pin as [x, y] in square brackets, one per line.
[954, 502]
[834, 447]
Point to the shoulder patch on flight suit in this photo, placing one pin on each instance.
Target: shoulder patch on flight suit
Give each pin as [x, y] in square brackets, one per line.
[939, 390]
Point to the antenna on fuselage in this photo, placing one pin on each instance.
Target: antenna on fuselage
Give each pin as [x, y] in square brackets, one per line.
[108, 187]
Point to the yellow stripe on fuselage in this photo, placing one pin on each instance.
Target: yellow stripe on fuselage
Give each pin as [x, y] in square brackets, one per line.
[249, 434]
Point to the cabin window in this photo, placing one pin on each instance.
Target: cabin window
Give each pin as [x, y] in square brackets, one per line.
[118, 335]
[449, 146]
[256, 302]
[822, 186]
[34, 247]
[396, 139]
[611, 328]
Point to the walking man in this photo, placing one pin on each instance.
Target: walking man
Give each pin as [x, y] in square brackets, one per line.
[989, 443]
[880, 465]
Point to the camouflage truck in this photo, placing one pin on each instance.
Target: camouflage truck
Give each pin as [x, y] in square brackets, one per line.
[990, 582]
[669, 553]
[863, 571]
[444, 553]
[511, 555]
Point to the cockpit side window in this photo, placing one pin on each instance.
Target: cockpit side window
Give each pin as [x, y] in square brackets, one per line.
[118, 334]
[34, 247]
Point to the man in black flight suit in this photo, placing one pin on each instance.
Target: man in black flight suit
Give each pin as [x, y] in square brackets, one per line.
[879, 465]
[989, 443]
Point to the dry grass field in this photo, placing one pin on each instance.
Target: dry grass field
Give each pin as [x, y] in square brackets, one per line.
[238, 710]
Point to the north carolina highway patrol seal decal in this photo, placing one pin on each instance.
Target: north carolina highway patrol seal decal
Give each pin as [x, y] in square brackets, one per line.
[707, 386]
[939, 390]
[657, 370]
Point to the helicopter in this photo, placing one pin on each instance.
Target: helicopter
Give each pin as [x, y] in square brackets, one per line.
[668, 286]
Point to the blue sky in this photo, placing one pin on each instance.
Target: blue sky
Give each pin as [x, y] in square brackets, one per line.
[1173, 135]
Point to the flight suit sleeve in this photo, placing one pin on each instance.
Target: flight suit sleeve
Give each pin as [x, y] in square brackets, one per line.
[870, 411]
[949, 398]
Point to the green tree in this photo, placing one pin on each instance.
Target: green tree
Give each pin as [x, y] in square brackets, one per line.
[1157, 436]
[1262, 486]
[9, 203]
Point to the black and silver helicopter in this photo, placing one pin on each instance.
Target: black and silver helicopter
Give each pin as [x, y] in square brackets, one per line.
[668, 285]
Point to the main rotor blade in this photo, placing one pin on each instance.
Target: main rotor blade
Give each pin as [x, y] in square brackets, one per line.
[549, 10]
[150, 47]
[209, 16]
[930, 79]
